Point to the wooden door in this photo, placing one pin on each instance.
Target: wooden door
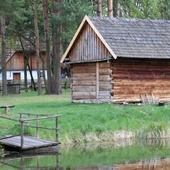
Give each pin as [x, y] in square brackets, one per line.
[17, 78]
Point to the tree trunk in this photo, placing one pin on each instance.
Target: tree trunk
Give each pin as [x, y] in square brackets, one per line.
[26, 55]
[116, 8]
[110, 8]
[37, 46]
[167, 9]
[43, 70]
[25, 66]
[57, 88]
[25, 75]
[47, 39]
[4, 81]
[99, 8]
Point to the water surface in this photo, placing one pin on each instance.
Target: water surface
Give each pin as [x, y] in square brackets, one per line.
[122, 155]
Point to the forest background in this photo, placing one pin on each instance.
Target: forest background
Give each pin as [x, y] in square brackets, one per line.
[54, 23]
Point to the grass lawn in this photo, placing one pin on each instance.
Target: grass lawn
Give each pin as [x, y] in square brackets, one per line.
[86, 122]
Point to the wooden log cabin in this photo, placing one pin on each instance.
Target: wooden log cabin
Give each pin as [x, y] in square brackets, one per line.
[120, 60]
[15, 66]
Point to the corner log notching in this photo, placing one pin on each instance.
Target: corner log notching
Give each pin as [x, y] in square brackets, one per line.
[7, 108]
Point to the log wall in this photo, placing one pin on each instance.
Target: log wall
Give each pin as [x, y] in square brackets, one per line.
[90, 82]
[104, 81]
[134, 79]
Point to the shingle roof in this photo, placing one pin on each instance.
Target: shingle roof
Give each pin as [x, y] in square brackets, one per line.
[139, 38]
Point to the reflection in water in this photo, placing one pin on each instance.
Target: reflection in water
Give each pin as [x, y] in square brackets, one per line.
[139, 155]
[155, 164]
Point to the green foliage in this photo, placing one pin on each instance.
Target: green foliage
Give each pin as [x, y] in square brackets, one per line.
[154, 9]
[19, 16]
[72, 13]
[8, 8]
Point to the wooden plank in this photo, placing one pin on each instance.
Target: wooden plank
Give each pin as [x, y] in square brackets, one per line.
[126, 82]
[39, 127]
[105, 71]
[84, 94]
[80, 65]
[8, 118]
[40, 118]
[105, 78]
[28, 142]
[81, 95]
[84, 75]
[104, 65]
[105, 88]
[84, 83]
[83, 88]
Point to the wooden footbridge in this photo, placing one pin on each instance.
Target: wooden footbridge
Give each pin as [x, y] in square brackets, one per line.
[22, 142]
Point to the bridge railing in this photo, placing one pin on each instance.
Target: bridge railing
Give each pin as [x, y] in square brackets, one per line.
[24, 122]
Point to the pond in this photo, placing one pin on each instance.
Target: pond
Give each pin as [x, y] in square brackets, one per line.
[123, 155]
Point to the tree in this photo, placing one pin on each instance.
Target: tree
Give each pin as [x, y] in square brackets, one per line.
[4, 81]
[99, 8]
[73, 12]
[140, 8]
[47, 40]
[37, 44]
[110, 8]
[7, 10]
[116, 8]
[56, 66]
[65, 19]
[163, 8]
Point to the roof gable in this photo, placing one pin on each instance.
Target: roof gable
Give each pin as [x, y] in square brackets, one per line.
[89, 43]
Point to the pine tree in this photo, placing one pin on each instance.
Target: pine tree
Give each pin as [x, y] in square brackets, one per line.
[37, 46]
[4, 81]
[47, 40]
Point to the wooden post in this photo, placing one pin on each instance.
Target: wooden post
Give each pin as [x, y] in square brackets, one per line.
[20, 115]
[22, 134]
[97, 80]
[37, 123]
[28, 118]
[7, 110]
[56, 125]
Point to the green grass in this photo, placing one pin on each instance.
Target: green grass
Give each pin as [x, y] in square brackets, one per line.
[86, 122]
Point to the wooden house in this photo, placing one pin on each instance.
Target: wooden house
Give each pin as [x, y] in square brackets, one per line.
[15, 66]
[120, 60]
